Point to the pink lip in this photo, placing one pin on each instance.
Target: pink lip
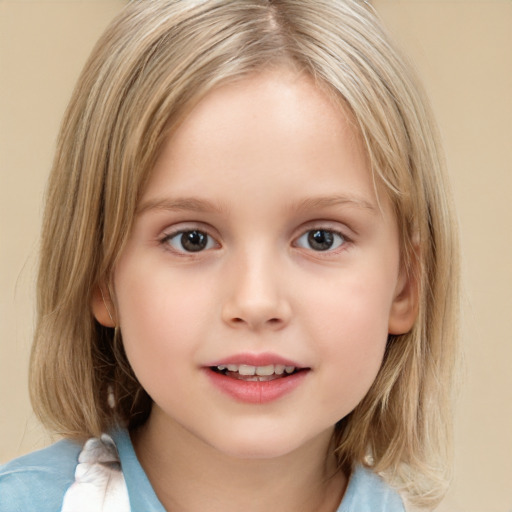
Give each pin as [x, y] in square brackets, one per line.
[256, 392]
[263, 359]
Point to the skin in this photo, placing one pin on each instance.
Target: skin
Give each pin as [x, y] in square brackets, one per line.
[258, 165]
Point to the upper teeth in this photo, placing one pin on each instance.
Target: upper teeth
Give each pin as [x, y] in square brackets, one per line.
[247, 369]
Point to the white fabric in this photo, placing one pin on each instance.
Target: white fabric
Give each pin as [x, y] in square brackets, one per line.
[99, 482]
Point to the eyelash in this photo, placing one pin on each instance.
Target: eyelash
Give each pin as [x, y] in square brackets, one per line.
[338, 239]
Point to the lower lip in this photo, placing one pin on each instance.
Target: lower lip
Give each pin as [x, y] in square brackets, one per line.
[256, 392]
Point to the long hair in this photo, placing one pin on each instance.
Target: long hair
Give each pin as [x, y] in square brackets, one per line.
[155, 61]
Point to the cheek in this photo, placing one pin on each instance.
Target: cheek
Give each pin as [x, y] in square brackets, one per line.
[350, 332]
[161, 323]
[354, 309]
[156, 302]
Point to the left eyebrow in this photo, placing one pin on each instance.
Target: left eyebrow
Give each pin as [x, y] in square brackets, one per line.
[189, 204]
[336, 200]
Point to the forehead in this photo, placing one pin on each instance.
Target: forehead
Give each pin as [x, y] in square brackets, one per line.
[278, 119]
[276, 99]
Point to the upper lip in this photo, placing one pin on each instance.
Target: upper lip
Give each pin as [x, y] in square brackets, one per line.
[263, 359]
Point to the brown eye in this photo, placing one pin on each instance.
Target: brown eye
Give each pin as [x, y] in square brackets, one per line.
[190, 241]
[320, 240]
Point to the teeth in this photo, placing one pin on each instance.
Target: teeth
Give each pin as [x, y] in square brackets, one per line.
[262, 371]
[245, 369]
[265, 370]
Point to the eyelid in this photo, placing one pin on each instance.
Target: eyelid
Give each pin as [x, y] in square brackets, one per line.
[328, 225]
[180, 227]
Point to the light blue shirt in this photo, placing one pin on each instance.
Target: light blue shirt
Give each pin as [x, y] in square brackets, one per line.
[38, 482]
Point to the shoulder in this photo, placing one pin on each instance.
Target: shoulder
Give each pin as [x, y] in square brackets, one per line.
[39, 480]
[368, 492]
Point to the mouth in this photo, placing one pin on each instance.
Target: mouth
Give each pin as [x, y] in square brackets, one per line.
[250, 373]
[256, 378]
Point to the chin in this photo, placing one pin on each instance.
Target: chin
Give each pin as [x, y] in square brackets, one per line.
[257, 445]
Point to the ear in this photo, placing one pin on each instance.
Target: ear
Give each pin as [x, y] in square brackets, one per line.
[404, 309]
[102, 307]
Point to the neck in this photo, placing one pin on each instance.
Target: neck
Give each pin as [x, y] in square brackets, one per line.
[189, 475]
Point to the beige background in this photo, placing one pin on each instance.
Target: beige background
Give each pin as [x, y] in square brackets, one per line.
[463, 50]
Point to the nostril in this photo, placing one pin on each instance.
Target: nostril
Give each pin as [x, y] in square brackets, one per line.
[271, 322]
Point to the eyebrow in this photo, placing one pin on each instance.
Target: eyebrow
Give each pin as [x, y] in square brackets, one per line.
[193, 204]
[336, 200]
[189, 204]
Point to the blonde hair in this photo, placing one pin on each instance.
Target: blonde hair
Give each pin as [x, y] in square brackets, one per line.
[157, 59]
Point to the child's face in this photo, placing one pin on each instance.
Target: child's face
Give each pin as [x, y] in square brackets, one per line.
[259, 241]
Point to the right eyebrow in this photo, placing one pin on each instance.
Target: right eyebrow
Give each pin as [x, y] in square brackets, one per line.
[189, 204]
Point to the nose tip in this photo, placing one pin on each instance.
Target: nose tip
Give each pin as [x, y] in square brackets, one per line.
[256, 302]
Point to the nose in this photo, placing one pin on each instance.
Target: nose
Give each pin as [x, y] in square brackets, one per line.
[256, 297]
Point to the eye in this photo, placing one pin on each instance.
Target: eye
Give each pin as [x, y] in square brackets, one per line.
[320, 240]
[190, 241]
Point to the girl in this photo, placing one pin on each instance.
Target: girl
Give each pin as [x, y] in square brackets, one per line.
[248, 281]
